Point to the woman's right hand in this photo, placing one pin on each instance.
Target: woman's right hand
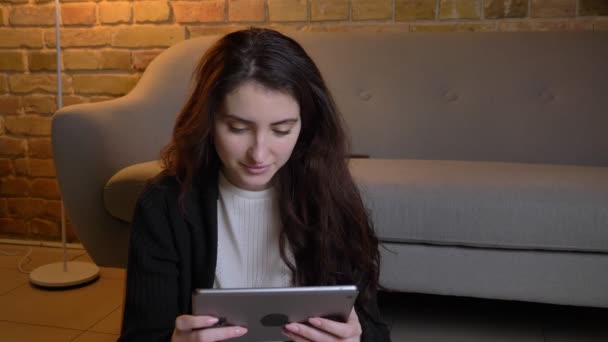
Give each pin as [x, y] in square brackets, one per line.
[185, 326]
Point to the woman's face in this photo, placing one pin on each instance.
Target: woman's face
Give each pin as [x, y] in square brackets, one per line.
[255, 134]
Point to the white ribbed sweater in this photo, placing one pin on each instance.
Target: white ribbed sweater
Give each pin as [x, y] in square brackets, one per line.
[248, 239]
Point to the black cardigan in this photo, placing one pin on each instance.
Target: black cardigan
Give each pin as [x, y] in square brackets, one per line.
[171, 254]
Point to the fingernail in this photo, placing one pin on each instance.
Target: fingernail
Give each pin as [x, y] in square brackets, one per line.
[315, 321]
[239, 331]
[292, 327]
[212, 320]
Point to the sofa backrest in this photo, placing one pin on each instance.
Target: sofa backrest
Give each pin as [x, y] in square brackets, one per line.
[516, 97]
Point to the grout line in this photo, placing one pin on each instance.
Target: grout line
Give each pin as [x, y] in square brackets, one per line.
[40, 243]
[101, 319]
[41, 325]
[11, 290]
[77, 336]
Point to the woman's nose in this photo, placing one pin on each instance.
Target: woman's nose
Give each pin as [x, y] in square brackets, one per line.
[258, 150]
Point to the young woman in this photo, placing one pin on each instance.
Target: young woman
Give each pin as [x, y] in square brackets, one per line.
[256, 192]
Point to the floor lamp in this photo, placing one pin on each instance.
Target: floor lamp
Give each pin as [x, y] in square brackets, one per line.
[66, 273]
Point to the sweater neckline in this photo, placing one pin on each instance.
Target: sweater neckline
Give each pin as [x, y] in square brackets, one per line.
[226, 185]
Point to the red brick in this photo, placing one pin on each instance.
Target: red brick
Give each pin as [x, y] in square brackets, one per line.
[41, 168]
[42, 60]
[289, 10]
[199, 11]
[460, 9]
[37, 206]
[552, 8]
[115, 12]
[14, 187]
[246, 10]
[22, 167]
[3, 84]
[3, 208]
[9, 105]
[20, 37]
[45, 228]
[26, 83]
[28, 125]
[45, 188]
[415, 9]
[42, 15]
[40, 148]
[6, 167]
[51, 209]
[13, 226]
[593, 7]
[372, 9]
[78, 14]
[80, 37]
[11, 61]
[19, 207]
[496, 9]
[148, 36]
[151, 11]
[39, 104]
[11, 146]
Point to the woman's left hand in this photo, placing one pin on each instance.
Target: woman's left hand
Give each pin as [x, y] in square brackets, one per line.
[325, 330]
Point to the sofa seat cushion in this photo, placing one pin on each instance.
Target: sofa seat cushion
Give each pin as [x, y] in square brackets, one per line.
[487, 204]
[456, 203]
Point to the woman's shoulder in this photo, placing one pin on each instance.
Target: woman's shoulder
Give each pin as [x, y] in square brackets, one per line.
[159, 188]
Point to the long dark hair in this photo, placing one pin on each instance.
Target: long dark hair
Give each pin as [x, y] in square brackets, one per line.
[323, 218]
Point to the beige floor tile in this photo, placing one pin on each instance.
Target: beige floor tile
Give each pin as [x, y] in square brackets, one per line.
[39, 256]
[96, 337]
[18, 332]
[105, 272]
[11, 279]
[79, 308]
[110, 324]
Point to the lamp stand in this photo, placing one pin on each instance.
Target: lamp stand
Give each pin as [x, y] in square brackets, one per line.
[72, 273]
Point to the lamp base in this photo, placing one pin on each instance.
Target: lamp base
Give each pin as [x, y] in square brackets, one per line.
[53, 275]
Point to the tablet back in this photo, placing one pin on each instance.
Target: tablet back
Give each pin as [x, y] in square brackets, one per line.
[264, 311]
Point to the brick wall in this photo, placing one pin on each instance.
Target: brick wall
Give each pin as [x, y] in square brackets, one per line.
[108, 44]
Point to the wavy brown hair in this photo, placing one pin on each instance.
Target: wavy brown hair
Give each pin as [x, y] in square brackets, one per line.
[324, 221]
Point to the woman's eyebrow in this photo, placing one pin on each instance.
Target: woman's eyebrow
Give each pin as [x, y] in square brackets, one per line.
[237, 118]
[281, 122]
[286, 121]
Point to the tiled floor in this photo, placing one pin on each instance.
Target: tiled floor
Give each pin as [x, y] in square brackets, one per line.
[92, 313]
[87, 314]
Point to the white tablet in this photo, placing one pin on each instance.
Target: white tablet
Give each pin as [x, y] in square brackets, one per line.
[264, 311]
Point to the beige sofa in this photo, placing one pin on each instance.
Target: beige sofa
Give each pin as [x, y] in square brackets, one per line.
[488, 168]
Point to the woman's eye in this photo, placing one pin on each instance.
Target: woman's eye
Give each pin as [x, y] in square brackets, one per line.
[237, 129]
[281, 133]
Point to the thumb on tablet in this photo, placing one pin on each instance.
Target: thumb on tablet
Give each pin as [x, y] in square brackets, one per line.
[189, 322]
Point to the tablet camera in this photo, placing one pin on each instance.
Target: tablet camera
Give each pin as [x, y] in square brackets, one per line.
[274, 320]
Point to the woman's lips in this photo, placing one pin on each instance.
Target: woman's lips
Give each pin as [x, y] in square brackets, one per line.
[256, 169]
